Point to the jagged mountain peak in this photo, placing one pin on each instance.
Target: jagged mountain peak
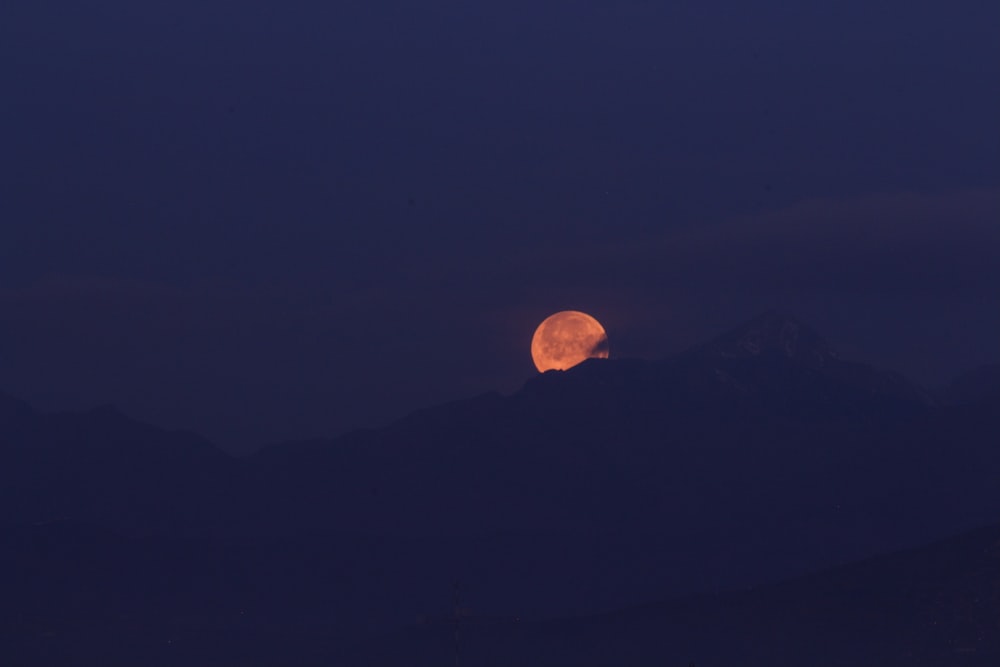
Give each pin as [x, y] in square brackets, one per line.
[774, 334]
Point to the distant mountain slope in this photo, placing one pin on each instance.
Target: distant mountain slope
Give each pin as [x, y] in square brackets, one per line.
[789, 344]
[630, 445]
[978, 386]
[715, 468]
[935, 606]
[78, 595]
[13, 410]
[754, 457]
[104, 467]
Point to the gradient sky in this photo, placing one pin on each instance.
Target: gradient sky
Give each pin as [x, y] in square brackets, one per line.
[270, 220]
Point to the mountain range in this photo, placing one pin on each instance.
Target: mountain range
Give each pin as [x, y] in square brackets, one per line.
[755, 458]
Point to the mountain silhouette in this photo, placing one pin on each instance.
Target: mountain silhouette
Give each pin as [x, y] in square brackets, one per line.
[103, 467]
[978, 386]
[773, 341]
[13, 411]
[756, 457]
[936, 605]
[87, 596]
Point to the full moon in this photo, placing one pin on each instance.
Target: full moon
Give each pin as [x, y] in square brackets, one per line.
[565, 339]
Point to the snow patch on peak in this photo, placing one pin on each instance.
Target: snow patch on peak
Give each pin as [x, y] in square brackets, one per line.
[773, 334]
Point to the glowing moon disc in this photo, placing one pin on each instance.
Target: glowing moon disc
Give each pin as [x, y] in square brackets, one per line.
[565, 339]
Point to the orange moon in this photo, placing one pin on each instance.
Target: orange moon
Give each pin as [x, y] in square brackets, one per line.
[565, 339]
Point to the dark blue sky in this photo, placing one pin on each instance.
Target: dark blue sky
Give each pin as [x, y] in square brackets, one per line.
[265, 220]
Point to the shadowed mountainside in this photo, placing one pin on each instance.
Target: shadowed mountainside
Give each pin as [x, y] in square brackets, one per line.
[100, 466]
[752, 458]
[936, 605]
[86, 597]
[978, 386]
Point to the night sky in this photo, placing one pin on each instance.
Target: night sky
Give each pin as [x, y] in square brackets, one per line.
[265, 220]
